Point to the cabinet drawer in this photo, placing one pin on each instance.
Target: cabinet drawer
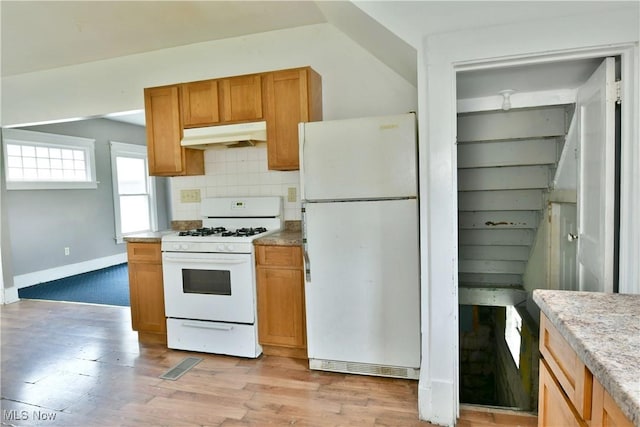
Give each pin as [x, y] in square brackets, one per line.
[144, 252]
[280, 256]
[565, 365]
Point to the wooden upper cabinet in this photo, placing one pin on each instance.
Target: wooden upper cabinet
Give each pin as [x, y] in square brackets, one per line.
[291, 96]
[281, 98]
[241, 98]
[200, 103]
[164, 131]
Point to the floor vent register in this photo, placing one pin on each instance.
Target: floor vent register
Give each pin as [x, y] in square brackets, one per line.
[181, 368]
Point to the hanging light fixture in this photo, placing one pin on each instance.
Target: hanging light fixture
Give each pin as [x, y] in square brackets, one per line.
[506, 98]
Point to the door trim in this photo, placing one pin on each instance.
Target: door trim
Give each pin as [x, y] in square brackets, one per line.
[441, 56]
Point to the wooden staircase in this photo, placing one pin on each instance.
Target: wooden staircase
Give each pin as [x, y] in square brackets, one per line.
[506, 162]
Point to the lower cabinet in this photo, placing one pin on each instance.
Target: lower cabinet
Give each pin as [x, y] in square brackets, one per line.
[569, 395]
[281, 312]
[146, 291]
[605, 411]
[555, 407]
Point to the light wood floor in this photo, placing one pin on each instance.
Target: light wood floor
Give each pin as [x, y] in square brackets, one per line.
[69, 364]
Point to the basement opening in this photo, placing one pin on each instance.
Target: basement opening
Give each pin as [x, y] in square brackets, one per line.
[507, 163]
[497, 364]
[530, 191]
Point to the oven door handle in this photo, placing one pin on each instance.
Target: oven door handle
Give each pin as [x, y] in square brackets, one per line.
[208, 260]
[203, 325]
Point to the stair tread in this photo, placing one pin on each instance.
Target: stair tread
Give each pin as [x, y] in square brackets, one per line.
[467, 285]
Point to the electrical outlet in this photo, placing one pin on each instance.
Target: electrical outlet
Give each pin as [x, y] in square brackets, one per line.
[291, 194]
[189, 196]
[67, 251]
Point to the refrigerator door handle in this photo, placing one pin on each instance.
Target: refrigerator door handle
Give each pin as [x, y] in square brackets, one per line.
[307, 268]
[305, 252]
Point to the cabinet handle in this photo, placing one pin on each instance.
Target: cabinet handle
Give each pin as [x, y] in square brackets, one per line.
[204, 259]
[202, 325]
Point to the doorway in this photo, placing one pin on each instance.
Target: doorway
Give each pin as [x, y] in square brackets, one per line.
[518, 199]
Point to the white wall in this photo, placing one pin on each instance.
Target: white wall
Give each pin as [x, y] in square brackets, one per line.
[441, 55]
[355, 83]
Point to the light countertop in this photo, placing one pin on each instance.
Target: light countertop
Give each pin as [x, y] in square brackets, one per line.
[147, 236]
[291, 235]
[281, 238]
[604, 330]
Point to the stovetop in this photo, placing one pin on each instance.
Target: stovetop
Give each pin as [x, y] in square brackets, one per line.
[229, 224]
[223, 232]
[214, 239]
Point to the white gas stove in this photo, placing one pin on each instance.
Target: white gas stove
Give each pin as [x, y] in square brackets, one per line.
[209, 276]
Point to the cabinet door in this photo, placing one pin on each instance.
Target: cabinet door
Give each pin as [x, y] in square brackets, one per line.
[241, 98]
[554, 408]
[147, 297]
[292, 96]
[164, 131]
[606, 412]
[281, 319]
[200, 103]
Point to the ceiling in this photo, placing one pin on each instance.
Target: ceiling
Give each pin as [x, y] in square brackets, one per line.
[530, 78]
[40, 35]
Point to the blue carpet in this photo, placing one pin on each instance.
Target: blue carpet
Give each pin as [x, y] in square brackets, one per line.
[106, 286]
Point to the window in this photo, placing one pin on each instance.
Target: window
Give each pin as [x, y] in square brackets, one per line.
[513, 333]
[39, 160]
[133, 190]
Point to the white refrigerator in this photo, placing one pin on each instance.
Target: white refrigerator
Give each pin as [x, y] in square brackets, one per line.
[361, 245]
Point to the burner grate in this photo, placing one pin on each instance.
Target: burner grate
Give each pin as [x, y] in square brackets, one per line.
[222, 231]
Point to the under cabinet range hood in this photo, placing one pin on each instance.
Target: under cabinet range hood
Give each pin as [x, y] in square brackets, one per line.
[235, 135]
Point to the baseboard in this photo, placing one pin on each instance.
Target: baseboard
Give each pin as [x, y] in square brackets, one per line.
[10, 295]
[436, 402]
[29, 279]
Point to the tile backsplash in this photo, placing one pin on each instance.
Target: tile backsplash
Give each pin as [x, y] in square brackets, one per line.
[236, 172]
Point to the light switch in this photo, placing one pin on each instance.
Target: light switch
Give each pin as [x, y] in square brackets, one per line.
[189, 196]
[291, 195]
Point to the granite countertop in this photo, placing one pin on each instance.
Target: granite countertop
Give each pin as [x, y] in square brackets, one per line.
[604, 330]
[291, 235]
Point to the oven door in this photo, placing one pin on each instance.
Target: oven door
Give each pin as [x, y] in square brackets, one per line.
[209, 286]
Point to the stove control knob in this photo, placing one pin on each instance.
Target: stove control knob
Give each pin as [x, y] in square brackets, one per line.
[184, 246]
[220, 247]
[229, 248]
[176, 246]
